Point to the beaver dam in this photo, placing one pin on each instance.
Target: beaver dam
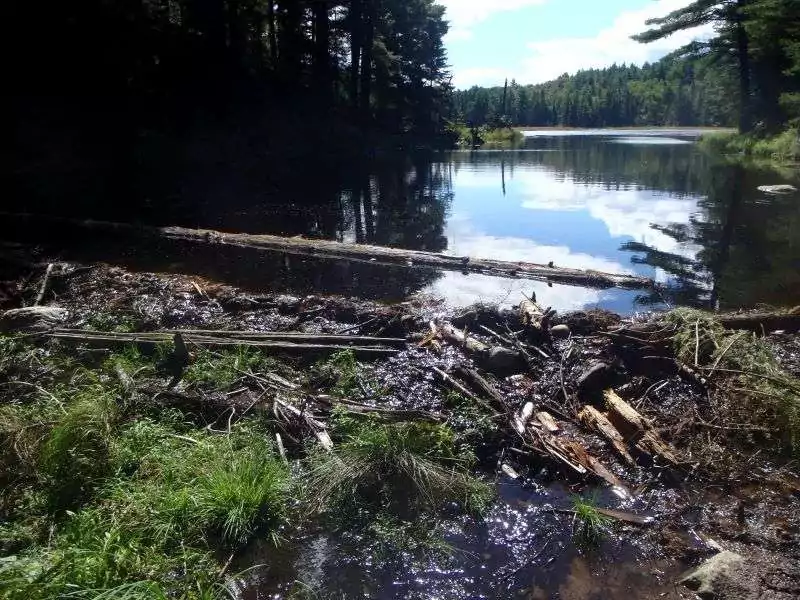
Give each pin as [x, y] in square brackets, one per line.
[171, 437]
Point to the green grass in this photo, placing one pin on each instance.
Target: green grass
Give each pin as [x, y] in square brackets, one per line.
[403, 467]
[100, 502]
[781, 148]
[182, 501]
[759, 392]
[220, 369]
[589, 525]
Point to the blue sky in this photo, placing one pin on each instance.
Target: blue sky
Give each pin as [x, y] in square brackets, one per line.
[538, 40]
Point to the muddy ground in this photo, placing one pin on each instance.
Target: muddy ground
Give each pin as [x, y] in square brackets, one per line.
[732, 490]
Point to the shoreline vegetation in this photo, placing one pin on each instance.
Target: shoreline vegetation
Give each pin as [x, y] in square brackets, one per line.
[782, 149]
[146, 470]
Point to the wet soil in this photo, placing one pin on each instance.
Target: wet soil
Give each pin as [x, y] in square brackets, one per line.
[525, 546]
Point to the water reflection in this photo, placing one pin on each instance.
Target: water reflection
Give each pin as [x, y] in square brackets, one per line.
[698, 226]
[628, 202]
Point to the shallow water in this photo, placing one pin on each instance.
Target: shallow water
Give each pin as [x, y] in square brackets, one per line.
[523, 548]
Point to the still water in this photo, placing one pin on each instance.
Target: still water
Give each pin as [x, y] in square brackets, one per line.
[646, 202]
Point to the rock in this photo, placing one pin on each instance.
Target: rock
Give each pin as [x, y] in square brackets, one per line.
[32, 318]
[503, 361]
[594, 379]
[560, 331]
[777, 189]
[721, 577]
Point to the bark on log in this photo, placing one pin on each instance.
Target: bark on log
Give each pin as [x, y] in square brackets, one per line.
[763, 322]
[342, 251]
[624, 417]
[463, 340]
[482, 386]
[594, 419]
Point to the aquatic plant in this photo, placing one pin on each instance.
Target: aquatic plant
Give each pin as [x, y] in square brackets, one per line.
[589, 525]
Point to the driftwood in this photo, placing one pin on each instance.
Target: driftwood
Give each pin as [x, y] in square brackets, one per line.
[43, 287]
[594, 419]
[520, 421]
[636, 429]
[547, 421]
[482, 386]
[211, 340]
[343, 251]
[535, 317]
[461, 339]
[316, 338]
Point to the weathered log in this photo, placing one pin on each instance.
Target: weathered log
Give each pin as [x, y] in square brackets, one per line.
[637, 430]
[482, 386]
[578, 453]
[496, 359]
[328, 249]
[547, 421]
[520, 421]
[43, 287]
[624, 417]
[534, 316]
[159, 337]
[763, 322]
[463, 340]
[594, 419]
[32, 318]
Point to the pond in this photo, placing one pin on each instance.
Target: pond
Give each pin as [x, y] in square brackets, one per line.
[641, 201]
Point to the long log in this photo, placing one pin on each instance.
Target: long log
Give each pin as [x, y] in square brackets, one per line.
[280, 346]
[277, 336]
[353, 252]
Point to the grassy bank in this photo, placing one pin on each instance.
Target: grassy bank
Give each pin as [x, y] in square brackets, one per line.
[115, 485]
[488, 137]
[782, 148]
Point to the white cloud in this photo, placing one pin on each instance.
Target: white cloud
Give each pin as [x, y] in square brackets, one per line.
[460, 290]
[464, 14]
[549, 59]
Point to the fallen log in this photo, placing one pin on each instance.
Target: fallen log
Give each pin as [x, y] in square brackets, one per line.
[594, 419]
[496, 359]
[636, 429]
[763, 322]
[328, 249]
[160, 337]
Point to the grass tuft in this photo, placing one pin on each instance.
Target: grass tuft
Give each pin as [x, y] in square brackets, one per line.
[589, 525]
[402, 466]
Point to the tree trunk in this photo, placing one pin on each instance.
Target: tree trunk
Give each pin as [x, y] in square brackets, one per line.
[366, 60]
[321, 51]
[742, 52]
[355, 51]
[272, 40]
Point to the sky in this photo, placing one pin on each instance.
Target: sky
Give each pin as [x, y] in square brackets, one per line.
[537, 40]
